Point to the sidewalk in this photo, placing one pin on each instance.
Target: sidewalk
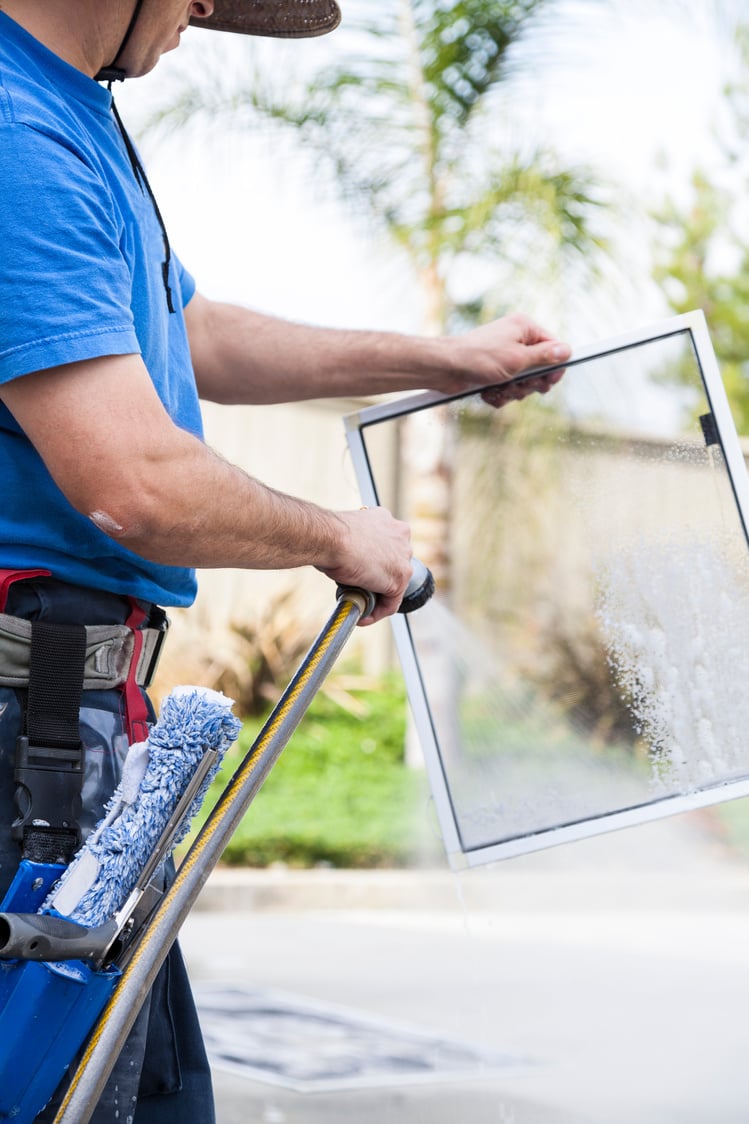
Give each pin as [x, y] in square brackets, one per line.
[655, 865]
[614, 975]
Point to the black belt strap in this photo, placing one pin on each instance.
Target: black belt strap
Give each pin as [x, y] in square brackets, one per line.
[50, 756]
[56, 661]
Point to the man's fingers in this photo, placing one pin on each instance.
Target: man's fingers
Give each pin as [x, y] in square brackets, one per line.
[541, 384]
[384, 607]
[498, 396]
[547, 353]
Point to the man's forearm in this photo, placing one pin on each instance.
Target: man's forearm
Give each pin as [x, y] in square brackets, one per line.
[224, 518]
[242, 356]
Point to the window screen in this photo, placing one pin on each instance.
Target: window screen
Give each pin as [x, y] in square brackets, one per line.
[583, 663]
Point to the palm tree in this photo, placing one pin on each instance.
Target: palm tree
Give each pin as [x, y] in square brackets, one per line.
[412, 123]
[411, 119]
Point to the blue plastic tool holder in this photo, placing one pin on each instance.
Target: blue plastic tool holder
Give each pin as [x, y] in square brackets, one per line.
[47, 1010]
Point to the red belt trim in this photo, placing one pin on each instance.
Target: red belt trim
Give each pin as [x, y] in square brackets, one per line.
[7, 577]
[137, 714]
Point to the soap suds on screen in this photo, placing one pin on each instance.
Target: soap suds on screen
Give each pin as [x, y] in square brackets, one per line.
[675, 620]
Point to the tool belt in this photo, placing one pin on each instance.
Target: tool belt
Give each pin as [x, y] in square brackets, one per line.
[108, 660]
[50, 665]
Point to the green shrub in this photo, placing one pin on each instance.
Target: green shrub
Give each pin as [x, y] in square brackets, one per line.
[730, 823]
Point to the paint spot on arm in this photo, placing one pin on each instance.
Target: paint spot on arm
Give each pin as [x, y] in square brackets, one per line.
[106, 523]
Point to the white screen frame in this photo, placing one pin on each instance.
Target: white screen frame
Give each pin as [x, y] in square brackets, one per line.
[459, 858]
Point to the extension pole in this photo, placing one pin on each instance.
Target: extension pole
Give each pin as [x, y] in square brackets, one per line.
[150, 950]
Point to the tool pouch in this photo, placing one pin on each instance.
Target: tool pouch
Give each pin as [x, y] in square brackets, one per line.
[47, 1010]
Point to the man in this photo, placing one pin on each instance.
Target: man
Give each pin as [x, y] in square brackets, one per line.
[111, 499]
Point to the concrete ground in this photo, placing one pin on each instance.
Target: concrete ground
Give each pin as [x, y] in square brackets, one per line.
[616, 972]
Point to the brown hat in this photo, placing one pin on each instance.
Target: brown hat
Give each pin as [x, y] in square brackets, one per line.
[282, 19]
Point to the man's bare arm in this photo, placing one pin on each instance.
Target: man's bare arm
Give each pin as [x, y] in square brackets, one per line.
[241, 356]
[119, 459]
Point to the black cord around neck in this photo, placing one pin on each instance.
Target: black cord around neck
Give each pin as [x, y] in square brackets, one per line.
[142, 180]
[113, 73]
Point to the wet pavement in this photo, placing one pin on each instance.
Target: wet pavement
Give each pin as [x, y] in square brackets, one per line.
[605, 981]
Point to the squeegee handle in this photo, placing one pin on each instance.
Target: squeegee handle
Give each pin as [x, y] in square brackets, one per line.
[40, 936]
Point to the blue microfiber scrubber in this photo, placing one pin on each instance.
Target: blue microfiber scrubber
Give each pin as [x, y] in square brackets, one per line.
[104, 872]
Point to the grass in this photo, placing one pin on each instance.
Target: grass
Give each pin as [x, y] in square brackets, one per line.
[340, 795]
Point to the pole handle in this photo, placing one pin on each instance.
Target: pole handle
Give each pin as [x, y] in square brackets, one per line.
[418, 591]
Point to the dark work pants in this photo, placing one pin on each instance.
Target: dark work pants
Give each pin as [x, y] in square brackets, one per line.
[162, 1075]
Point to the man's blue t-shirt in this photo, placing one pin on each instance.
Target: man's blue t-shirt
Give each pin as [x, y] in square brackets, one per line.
[81, 254]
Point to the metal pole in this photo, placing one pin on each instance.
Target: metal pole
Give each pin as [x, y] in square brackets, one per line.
[150, 951]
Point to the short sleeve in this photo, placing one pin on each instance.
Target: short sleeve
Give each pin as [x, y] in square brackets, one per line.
[186, 283]
[65, 283]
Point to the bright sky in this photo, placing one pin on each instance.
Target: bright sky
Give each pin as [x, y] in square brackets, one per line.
[621, 92]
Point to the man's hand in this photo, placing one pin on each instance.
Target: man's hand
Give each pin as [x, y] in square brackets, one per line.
[376, 557]
[497, 352]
